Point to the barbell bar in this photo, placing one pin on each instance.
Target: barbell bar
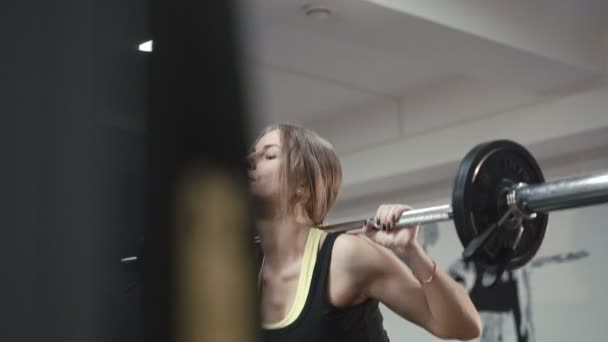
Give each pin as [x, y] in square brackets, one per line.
[500, 204]
[557, 195]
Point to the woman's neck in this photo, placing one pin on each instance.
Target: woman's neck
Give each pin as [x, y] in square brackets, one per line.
[283, 238]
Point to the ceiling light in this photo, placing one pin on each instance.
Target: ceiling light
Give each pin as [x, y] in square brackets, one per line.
[146, 46]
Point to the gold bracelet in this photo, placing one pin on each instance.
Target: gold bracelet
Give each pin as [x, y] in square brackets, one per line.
[432, 276]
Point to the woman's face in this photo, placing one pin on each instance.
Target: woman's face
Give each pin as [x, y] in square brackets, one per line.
[265, 165]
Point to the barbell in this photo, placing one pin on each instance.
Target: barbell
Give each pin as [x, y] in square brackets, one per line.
[500, 204]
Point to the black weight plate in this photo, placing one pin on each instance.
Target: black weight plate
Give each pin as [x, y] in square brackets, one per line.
[478, 199]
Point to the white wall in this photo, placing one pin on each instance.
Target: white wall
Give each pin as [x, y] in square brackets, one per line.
[437, 129]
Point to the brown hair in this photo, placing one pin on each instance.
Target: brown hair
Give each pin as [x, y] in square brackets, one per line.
[311, 161]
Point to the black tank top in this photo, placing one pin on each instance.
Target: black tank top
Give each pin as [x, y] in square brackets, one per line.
[321, 321]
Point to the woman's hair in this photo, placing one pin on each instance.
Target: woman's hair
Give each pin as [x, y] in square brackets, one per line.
[309, 161]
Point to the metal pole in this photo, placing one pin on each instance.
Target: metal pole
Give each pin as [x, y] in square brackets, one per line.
[560, 194]
[563, 194]
[425, 215]
[408, 218]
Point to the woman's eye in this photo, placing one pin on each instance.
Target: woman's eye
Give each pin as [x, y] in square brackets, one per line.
[270, 157]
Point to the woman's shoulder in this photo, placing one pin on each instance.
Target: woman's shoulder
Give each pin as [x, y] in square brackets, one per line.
[354, 264]
[355, 252]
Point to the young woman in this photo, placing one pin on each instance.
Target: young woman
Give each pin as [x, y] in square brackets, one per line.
[319, 286]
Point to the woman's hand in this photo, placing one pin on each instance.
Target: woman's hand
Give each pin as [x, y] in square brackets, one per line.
[382, 230]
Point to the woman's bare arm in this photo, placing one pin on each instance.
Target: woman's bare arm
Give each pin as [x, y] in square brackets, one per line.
[442, 306]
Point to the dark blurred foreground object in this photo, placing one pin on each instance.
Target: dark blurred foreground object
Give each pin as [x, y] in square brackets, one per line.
[101, 145]
[199, 279]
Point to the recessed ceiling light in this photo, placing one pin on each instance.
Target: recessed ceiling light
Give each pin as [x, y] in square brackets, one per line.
[316, 11]
[146, 46]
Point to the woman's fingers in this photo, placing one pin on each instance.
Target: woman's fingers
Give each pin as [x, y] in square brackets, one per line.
[385, 213]
[388, 215]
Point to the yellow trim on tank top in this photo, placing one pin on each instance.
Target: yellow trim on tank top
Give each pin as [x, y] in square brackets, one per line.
[309, 260]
